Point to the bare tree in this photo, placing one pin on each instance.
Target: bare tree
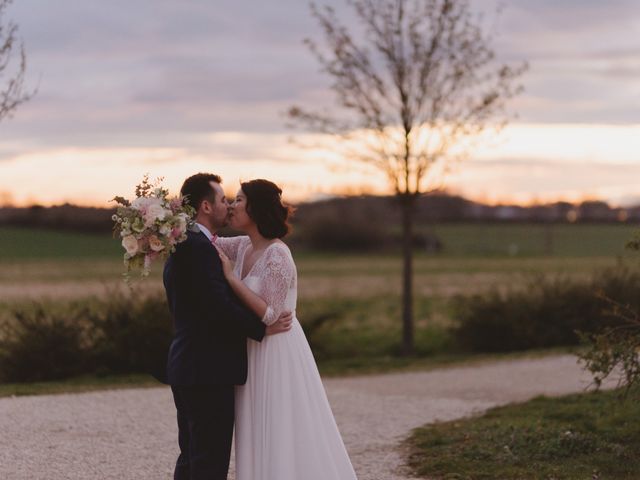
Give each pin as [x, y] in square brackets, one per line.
[416, 84]
[13, 66]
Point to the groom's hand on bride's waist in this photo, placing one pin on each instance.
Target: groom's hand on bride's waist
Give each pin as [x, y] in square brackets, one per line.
[283, 324]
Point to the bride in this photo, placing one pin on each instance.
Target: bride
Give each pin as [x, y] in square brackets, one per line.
[285, 429]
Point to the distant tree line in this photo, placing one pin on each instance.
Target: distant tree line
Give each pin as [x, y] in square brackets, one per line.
[375, 214]
[62, 217]
[436, 208]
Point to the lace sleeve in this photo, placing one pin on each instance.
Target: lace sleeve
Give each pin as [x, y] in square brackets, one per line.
[230, 245]
[279, 271]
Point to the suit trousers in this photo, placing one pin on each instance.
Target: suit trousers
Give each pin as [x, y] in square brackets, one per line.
[205, 431]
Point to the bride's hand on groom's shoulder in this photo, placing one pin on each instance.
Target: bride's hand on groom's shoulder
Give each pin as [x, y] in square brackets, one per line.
[283, 324]
[227, 265]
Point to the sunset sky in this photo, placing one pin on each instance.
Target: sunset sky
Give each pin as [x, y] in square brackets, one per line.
[175, 87]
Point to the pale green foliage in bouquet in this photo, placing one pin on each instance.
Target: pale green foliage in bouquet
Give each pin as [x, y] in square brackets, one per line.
[151, 225]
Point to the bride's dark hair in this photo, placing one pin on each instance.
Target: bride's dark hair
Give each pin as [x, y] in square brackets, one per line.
[265, 207]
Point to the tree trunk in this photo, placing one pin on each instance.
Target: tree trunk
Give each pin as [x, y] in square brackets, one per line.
[548, 238]
[407, 276]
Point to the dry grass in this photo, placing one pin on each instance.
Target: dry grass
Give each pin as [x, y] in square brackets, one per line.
[319, 277]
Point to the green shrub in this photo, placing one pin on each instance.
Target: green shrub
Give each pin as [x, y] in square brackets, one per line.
[132, 333]
[546, 313]
[614, 349]
[122, 333]
[38, 343]
[347, 231]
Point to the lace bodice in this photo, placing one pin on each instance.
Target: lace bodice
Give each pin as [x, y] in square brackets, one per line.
[273, 276]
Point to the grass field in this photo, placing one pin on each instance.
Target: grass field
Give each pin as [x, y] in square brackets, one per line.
[36, 264]
[569, 240]
[585, 436]
[475, 240]
[356, 298]
[33, 245]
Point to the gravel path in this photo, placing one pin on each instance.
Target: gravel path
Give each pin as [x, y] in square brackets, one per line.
[131, 434]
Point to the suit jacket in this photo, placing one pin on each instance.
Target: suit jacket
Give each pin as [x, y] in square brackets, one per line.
[211, 326]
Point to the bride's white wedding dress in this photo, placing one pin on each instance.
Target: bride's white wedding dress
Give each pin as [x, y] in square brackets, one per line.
[285, 429]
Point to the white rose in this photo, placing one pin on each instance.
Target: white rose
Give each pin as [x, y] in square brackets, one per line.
[140, 202]
[183, 218]
[165, 230]
[155, 244]
[154, 212]
[130, 244]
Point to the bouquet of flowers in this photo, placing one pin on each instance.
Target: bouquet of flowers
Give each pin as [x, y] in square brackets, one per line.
[151, 225]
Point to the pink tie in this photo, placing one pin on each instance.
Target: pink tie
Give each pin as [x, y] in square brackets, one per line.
[214, 237]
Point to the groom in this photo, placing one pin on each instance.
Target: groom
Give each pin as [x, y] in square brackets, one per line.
[208, 355]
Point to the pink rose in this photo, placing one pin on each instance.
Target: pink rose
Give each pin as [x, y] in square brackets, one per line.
[130, 244]
[155, 244]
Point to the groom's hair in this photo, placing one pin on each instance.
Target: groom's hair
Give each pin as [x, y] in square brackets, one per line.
[197, 188]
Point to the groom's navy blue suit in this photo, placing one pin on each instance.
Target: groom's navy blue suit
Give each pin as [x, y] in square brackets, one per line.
[207, 357]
